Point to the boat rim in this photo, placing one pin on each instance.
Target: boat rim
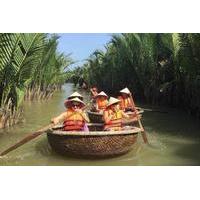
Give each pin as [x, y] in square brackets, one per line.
[133, 130]
[140, 111]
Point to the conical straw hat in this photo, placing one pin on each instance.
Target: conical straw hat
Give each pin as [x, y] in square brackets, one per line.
[112, 101]
[69, 101]
[125, 90]
[75, 94]
[101, 94]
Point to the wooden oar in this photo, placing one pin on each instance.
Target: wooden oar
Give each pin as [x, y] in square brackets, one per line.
[151, 110]
[33, 135]
[144, 135]
[26, 139]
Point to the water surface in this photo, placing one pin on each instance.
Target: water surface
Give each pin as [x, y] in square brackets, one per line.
[174, 138]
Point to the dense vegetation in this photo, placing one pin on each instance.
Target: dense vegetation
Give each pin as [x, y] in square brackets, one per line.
[158, 68]
[30, 68]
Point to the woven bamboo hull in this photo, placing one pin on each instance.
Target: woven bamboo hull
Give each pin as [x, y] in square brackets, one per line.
[94, 145]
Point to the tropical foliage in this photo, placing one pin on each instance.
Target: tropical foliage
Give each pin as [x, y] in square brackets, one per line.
[79, 76]
[158, 68]
[30, 67]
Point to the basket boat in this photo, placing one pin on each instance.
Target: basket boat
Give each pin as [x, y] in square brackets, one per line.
[93, 144]
[96, 117]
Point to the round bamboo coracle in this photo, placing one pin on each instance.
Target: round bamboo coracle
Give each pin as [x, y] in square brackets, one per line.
[93, 144]
[95, 117]
[98, 118]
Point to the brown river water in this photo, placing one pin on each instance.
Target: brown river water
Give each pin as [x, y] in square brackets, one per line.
[174, 138]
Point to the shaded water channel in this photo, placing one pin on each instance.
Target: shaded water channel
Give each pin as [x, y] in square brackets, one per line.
[174, 138]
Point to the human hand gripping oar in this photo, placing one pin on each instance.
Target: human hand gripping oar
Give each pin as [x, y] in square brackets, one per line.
[33, 135]
[144, 135]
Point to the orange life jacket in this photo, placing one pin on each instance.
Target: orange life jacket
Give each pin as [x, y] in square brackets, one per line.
[73, 123]
[125, 103]
[116, 122]
[101, 103]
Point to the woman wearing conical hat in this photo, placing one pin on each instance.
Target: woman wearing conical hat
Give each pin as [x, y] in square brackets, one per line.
[101, 101]
[74, 118]
[113, 115]
[126, 103]
[74, 95]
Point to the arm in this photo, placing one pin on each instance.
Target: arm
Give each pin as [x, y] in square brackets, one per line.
[83, 114]
[59, 118]
[93, 92]
[125, 115]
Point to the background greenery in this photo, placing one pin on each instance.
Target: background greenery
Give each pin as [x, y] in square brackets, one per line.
[161, 69]
[30, 68]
